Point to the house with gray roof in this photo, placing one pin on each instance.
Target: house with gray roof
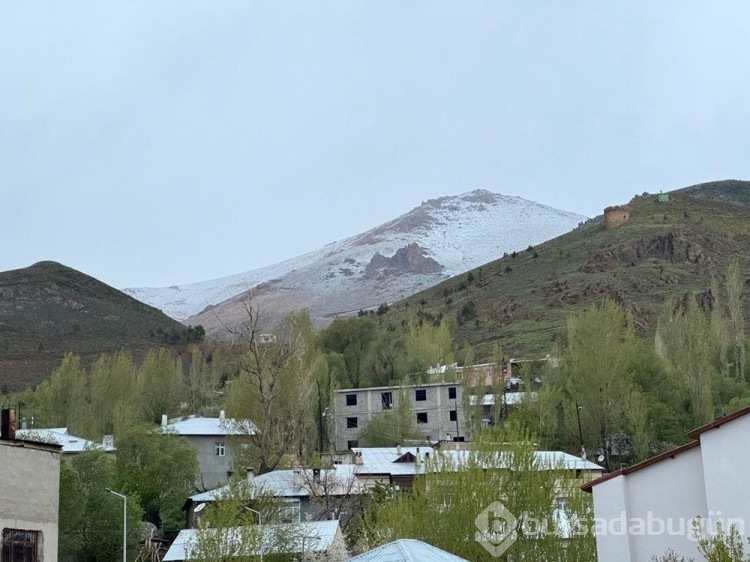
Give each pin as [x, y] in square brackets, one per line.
[209, 438]
[71, 444]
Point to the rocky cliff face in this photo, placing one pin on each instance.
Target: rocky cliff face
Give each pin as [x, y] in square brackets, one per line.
[406, 260]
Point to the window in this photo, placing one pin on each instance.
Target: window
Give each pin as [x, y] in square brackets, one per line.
[351, 423]
[451, 392]
[20, 546]
[453, 415]
[353, 443]
[386, 398]
[422, 417]
[420, 395]
[220, 448]
[351, 399]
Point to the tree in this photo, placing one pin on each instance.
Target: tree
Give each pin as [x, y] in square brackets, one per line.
[446, 503]
[596, 375]
[351, 337]
[275, 387]
[160, 470]
[90, 517]
[160, 384]
[735, 287]
[684, 343]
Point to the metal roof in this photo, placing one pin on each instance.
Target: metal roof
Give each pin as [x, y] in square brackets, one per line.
[60, 436]
[406, 550]
[196, 425]
[543, 460]
[382, 460]
[315, 536]
[341, 480]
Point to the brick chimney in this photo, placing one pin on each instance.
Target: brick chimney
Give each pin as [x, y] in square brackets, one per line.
[8, 424]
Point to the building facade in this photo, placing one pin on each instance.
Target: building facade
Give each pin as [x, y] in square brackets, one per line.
[30, 484]
[436, 409]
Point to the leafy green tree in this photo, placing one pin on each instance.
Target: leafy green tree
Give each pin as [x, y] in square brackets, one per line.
[160, 384]
[350, 337]
[427, 345]
[159, 469]
[684, 342]
[445, 503]
[735, 287]
[91, 517]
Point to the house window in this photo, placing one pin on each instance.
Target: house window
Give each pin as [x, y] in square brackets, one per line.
[351, 423]
[422, 417]
[220, 448]
[453, 415]
[353, 443]
[20, 545]
[351, 399]
[386, 398]
[452, 392]
[420, 395]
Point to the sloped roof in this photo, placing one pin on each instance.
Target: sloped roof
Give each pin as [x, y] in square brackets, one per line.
[340, 480]
[318, 536]
[406, 550]
[196, 425]
[59, 435]
[382, 460]
[543, 460]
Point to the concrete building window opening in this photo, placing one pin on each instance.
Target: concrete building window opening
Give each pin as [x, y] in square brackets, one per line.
[352, 423]
[422, 417]
[351, 399]
[451, 393]
[420, 395]
[352, 443]
[453, 415]
[20, 545]
[220, 448]
[386, 399]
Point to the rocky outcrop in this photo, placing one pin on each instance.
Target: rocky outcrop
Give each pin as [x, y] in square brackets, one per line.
[410, 259]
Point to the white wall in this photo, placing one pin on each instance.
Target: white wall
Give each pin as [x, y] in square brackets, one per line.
[672, 490]
[610, 501]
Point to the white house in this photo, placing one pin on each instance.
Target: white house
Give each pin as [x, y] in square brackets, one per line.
[644, 510]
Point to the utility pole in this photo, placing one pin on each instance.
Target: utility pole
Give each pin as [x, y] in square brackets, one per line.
[580, 431]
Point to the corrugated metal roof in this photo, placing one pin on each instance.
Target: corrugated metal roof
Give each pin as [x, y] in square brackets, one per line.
[341, 480]
[60, 436]
[382, 460]
[316, 536]
[407, 550]
[543, 460]
[196, 425]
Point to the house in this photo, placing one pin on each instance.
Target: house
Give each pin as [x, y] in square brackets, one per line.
[30, 484]
[71, 445]
[406, 550]
[436, 408]
[389, 466]
[209, 438]
[644, 510]
[310, 493]
[312, 541]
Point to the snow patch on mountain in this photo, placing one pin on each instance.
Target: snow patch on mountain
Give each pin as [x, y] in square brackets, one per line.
[439, 239]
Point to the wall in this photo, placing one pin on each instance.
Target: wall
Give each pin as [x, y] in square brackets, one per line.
[437, 406]
[212, 469]
[30, 484]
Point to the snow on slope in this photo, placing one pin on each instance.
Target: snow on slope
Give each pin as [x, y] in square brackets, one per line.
[460, 233]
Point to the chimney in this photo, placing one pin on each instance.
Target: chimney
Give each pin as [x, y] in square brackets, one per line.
[164, 421]
[250, 475]
[108, 441]
[418, 458]
[316, 475]
[222, 417]
[8, 424]
[398, 449]
[358, 457]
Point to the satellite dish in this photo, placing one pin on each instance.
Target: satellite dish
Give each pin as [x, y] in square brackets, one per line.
[600, 458]
[199, 508]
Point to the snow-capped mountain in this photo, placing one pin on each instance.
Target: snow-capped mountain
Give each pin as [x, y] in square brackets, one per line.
[439, 239]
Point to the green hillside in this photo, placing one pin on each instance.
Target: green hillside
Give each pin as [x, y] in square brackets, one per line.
[48, 309]
[665, 249]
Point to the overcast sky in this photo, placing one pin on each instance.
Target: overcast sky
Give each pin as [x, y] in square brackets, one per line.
[156, 143]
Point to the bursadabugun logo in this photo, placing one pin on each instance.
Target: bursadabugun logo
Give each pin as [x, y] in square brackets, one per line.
[496, 528]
